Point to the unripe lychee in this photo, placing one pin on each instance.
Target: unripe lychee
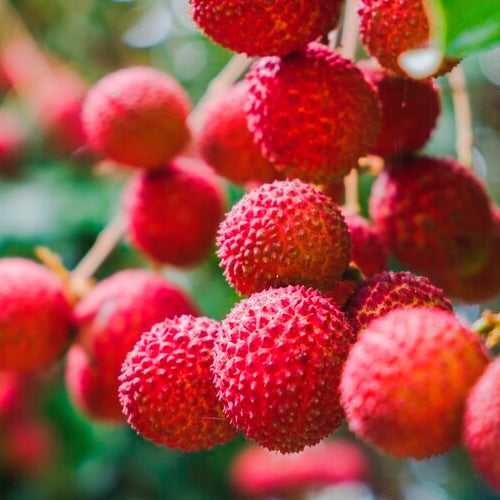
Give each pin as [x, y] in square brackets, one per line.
[137, 116]
[284, 233]
[388, 28]
[312, 113]
[110, 320]
[433, 214]
[406, 380]
[166, 388]
[173, 212]
[385, 292]
[481, 428]
[35, 316]
[277, 367]
[261, 28]
[227, 145]
[410, 109]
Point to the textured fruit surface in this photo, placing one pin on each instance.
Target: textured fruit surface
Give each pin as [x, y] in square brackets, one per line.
[367, 250]
[387, 291]
[433, 214]
[284, 233]
[137, 116]
[406, 380]
[410, 109]
[227, 145]
[312, 113]
[481, 430]
[260, 27]
[35, 317]
[388, 28]
[174, 212]
[110, 320]
[277, 367]
[167, 390]
[258, 472]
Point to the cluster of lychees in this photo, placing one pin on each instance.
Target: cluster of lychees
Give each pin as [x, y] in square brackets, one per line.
[316, 339]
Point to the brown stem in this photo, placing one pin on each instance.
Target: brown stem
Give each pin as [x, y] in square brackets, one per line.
[349, 39]
[351, 192]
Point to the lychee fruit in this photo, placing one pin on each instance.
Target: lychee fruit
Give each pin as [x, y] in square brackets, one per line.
[13, 138]
[387, 291]
[284, 233]
[433, 214]
[167, 390]
[312, 113]
[227, 145]
[174, 212]
[390, 28]
[481, 428]
[35, 317]
[261, 28]
[406, 380]
[137, 116]
[410, 109]
[277, 367]
[110, 320]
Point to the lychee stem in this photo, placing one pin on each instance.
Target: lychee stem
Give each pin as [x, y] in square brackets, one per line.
[463, 115]
[350, 28]
[488, 327]
[351, 192]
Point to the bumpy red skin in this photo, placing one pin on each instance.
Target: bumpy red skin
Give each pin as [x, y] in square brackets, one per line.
[284, 233]
[277, 367]
[367, 249]
[259, 472]
[35, 317]
[312, 113]
[433, 214]
[406, 380]
[262, 28]
[227, 145]
[110, 320]
[382, 293]
[388, 28]
[410, 109]
[481, 428]
[166, 389]
[137, 116]
[174, 212]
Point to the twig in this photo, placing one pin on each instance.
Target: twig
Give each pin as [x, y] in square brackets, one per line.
[351, 192]
[463, 115]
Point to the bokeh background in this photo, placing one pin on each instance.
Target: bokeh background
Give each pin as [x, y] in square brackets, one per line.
[54, 196]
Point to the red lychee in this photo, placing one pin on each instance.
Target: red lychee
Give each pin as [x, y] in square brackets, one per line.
[137, 116]
[385, 292]
[388, 28]
[312, 113]
[410, 109]
[173, 213]
[35, 317]
[406, 380]
[284, 233]
[227, 145]
[166, 388]
[260, 27]
[110, 320]
[433, 214]
[13, 137]
[277, 367]
[481, 428]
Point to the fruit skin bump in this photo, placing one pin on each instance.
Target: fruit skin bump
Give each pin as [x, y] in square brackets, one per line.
[387, 291]
[137, 116]
[406, 380]
[166, 386]
[35, 318]
[277, 366]
[284, 233]
[481, 429]
[173, 213]
[312, 113]
[262, 28]
[110, 319]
